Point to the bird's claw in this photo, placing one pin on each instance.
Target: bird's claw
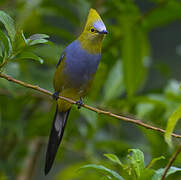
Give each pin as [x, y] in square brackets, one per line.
[55, 95]
[79, 103]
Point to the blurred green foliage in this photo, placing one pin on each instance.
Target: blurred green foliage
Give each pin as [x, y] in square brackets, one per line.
[135, 167]
[122, 85]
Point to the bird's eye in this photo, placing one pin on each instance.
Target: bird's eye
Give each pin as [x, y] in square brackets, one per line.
[92, 30]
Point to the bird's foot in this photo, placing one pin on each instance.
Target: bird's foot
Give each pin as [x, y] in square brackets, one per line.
[79, 103]
[55, 95]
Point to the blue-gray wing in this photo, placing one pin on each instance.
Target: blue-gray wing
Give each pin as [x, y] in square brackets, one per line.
[63, 54]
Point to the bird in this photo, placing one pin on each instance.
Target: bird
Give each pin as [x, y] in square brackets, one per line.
[73, 77]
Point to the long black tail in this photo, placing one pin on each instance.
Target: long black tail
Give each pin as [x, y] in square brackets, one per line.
[55, 137]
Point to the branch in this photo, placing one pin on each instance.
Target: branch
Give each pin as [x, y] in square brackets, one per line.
[99, 111]
[172, 159]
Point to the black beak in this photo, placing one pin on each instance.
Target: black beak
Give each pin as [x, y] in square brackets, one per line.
[103, 32]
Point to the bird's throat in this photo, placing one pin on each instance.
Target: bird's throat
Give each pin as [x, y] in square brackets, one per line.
[91, 44]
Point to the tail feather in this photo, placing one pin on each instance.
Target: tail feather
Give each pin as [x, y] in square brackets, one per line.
[55, 137]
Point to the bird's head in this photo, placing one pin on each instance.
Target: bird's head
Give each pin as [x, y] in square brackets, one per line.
[94, 29]
[94, 25]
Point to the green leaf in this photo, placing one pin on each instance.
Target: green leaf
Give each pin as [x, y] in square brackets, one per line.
[9, 24]
[101, 168]
[158, 173]
[167, 13]
[146, 174]
[172, 121]
[37, 39]
[154, 160]
[137, 161]
[135, 55]
[114, 84]
[113, 158]
[5, 41]
[29, 55]
[19, 42]
[38, 36]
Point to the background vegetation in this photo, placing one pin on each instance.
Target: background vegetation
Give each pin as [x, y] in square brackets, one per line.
[139, 76]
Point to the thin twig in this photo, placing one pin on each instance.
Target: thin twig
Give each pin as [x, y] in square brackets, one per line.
[99, 111]
[172, 159]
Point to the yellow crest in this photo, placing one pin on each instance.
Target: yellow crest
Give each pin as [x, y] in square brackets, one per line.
[92, 18]
[93, 33]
